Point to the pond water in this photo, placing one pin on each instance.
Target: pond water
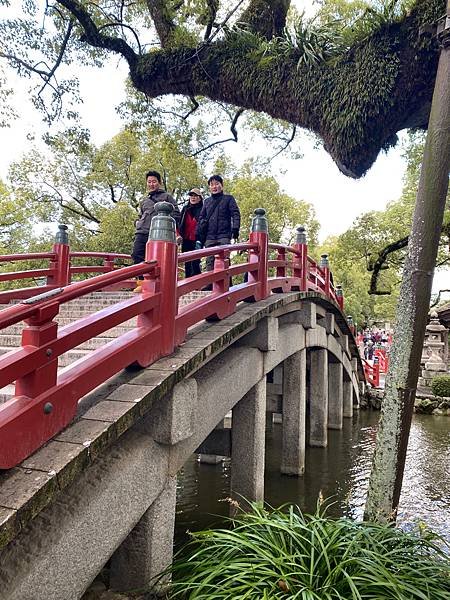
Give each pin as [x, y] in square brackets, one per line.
[340, 472]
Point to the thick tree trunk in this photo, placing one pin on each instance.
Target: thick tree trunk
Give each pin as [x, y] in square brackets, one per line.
[392, 439]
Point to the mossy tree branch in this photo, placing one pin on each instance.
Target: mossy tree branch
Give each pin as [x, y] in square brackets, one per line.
[162, 19]
[355, 103]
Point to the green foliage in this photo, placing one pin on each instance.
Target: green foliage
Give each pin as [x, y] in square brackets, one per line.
[284, 213]
[356, 250]
[271, 554]
[440, 386]
[116, 230]
[312, 41]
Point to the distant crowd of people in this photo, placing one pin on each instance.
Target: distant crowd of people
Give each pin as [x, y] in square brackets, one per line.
[213, 221]
[373, 338]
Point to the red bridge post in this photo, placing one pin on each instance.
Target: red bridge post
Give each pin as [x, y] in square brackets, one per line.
[162, 246]
[301, 260]
[259, 234]
[41, 329]
[60, 265]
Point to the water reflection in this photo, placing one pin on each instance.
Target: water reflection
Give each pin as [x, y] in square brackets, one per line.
[340, 471]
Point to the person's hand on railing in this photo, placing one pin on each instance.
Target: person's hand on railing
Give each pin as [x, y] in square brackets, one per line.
[235, 234]
[198, 245]
[179, 240]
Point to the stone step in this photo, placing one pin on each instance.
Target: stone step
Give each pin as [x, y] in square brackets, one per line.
[16, 330]
[64, 360]
[6, 393]
[13, 341]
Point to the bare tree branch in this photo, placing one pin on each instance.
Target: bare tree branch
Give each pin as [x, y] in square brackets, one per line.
[96, 39]
[213, 7]
[230, 139]
[288, 142]
[379, 264]
[438, 298]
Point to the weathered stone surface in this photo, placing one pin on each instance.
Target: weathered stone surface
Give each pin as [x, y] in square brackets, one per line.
[221, 384]
[64, 547]
[294, 414]
[264, 337]
[62, 459]
[335, 395]
[173, 419]
[248, 440]
[329, 323]
[147, 550]
[316, 337]
[291, 339]
[318, 398]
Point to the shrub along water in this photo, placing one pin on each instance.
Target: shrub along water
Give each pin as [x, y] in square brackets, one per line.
[269, 554]
[440, 386]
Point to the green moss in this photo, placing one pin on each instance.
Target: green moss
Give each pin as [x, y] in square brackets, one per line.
[356, 100]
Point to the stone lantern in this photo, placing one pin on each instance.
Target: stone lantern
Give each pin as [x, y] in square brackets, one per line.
[433, 355]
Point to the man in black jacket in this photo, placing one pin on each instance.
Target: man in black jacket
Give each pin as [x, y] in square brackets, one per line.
[147, 212]
[219, 220]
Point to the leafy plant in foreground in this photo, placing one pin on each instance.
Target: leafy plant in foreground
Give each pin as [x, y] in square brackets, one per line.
[279, 554]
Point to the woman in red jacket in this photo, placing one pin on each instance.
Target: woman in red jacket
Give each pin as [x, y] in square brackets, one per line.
[188, 229]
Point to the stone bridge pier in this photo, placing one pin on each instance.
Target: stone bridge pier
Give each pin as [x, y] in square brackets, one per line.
[290, 357]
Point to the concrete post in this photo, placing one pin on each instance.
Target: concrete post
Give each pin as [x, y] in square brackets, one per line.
[348, 398]
[294, 414]
[335, 395]
[148, 549]
[318, 410]
[247, 449]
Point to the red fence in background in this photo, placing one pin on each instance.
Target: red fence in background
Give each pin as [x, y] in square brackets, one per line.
[371, 372]
[46, 400]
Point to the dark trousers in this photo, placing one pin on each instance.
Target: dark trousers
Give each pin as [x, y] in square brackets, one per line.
[210, 244]
[140, 241]
[192, 267]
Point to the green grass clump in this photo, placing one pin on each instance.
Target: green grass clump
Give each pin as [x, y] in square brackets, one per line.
[271, 554]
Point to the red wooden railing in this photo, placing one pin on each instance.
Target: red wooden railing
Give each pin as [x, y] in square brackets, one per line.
[59, 271]
[45, 400]
[383, 359]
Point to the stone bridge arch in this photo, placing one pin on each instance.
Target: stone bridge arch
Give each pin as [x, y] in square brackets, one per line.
[105, 487]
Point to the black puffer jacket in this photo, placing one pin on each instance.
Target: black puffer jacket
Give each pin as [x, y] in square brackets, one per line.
[220, 214]
[147, 211]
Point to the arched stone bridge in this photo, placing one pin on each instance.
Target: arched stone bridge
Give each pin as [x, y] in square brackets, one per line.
[104, 487]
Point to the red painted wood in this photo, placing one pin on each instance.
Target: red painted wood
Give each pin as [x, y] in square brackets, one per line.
[45, 402]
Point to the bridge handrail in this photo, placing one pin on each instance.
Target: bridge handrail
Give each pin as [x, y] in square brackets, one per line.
[45, 401]
[58, 273]
[32, 307]
[214, 250]
[28, 256]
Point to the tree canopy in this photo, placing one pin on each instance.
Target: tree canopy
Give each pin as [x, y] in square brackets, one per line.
[353, 87]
